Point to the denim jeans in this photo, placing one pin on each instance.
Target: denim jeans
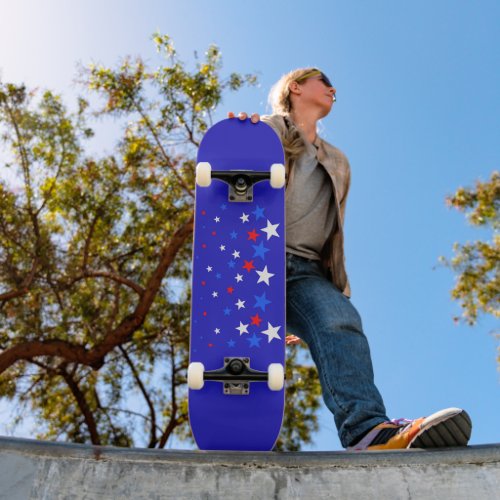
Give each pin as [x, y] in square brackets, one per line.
[329, 324]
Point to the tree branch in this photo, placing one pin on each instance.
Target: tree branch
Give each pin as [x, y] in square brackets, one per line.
[173, 422]
[122, 333]
[114, 277]
[53, 184]
[27, 176]
[24, 288]
[152, 440]
[160, 146]
[82, 404]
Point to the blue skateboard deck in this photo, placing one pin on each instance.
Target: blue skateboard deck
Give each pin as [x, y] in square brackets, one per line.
[238, 290]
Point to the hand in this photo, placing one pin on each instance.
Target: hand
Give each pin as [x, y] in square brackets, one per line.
[243, 116]
[292, 340]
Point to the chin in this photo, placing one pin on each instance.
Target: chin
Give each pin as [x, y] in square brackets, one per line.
[325, 112]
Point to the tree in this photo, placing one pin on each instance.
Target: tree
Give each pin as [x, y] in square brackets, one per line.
[477, 266]
[95, 255]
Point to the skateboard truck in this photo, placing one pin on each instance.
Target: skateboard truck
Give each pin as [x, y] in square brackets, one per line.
[240, 182]
[236, 376]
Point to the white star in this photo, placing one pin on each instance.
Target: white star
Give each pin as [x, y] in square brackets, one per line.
[242, 328]
[238, 278]
[271, 332]
[244, 217]
[215, 294]
[209, 269]
[236, 254]
[270, 229]
[264, 276]
[217, 331]
[217, 219]
[240, 304]
[222, 248]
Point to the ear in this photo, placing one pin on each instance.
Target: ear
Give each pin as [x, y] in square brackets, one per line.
[294, 87]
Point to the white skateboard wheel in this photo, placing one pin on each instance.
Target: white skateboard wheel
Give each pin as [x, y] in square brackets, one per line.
[203, 174]
[275, 376]
[195, 375]
[277, 175]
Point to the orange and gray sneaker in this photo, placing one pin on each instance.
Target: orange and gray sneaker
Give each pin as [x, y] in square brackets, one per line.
[450, 427]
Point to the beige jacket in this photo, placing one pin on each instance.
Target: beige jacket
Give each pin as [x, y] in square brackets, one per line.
[337, 166]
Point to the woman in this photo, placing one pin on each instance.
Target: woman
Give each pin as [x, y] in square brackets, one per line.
[319, 310]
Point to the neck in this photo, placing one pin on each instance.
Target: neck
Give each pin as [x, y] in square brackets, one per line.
[306, 120]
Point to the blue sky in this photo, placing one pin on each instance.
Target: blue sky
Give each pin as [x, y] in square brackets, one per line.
[418, 115]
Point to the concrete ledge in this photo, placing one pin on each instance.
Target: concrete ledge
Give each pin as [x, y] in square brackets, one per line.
[36, 469]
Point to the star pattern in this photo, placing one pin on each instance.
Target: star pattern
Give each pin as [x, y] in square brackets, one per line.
[264, 276]
[240, 277]
[270, 229]
[242, 328]
[272, 332]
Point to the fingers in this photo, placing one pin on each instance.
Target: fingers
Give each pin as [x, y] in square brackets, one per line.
[292, 340]
[243, 116]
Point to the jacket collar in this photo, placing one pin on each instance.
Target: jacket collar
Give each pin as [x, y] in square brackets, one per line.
[327, 160]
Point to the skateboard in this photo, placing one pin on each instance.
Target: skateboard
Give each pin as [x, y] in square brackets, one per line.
[237, 339]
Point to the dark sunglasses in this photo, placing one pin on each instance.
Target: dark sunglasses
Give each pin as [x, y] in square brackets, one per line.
[326, 80]
[323, 78]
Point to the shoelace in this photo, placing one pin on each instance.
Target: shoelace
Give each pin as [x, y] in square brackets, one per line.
[400, 421]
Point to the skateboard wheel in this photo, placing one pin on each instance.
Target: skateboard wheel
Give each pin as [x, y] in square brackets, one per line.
[195, 375]
[275, 376]
[277, 175]
[203, 174]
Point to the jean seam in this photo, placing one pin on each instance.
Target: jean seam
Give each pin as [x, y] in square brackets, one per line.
[306, 319]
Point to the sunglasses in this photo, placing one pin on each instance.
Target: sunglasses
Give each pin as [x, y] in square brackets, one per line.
[323, 78]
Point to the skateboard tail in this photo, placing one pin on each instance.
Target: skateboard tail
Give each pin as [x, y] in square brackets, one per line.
[261, 431]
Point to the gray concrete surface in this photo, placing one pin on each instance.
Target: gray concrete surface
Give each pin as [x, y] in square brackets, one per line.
[34, 469]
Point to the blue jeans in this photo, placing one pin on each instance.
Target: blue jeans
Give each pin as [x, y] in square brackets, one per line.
[329, 324]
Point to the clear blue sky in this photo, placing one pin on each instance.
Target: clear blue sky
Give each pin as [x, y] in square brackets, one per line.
[418, 115]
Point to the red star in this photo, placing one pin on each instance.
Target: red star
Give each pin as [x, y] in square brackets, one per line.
[248, 265]
[230, 289]
[203, 212]
[203, 283]
[213, 233]
[204, 245]
[252, 235]
[210, 345]
[204, 313]
[256, 320]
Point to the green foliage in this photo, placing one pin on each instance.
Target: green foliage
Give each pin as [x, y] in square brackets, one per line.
[476, 264]
[95, 254]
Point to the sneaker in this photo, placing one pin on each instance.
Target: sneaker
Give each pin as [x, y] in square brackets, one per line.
[450, 427]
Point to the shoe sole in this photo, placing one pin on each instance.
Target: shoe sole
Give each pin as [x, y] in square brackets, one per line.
[451, 427]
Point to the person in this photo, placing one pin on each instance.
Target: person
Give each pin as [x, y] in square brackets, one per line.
[318, 305]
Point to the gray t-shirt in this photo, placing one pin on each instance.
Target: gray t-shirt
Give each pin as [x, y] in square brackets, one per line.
[310, 207]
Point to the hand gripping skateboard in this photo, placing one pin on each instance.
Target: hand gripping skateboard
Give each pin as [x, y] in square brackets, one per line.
[237, 342]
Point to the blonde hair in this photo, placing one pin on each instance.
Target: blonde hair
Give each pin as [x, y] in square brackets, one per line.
[280, 102]
[279, 96]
